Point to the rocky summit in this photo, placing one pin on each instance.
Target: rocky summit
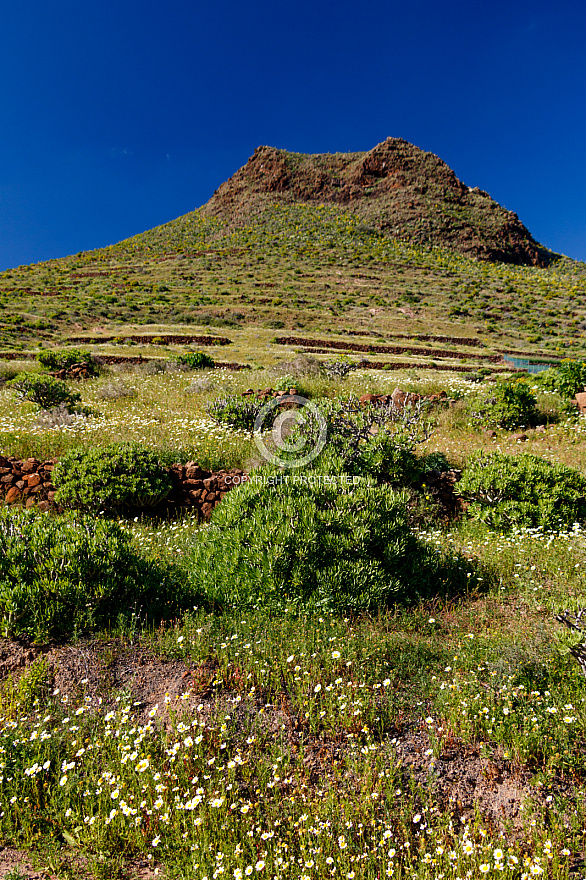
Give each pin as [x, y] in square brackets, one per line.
[395, 188]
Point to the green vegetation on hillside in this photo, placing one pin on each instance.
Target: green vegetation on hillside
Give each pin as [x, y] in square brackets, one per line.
[358, 674]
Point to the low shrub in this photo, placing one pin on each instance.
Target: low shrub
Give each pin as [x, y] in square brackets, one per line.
[388, 457]
[509, 404]
[46, 391]
[120, 476]
[370, 441]
[235, 410]
[284, 541]
[340, 367]
[522, 490]
[284, 383]
[303, 365]
[72, 573]
[568, 378]
[193, 360]
[118, 390]
[62, 359]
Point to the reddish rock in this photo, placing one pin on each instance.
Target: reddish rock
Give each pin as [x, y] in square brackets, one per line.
[540, 428]
[32, 480]
[12, 495]
[520, 438]
[404, 398]
[580, 401]
[193, 472]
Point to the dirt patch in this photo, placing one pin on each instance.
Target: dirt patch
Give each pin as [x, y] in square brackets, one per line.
[14, 657]
[463, 781]
[28, 867]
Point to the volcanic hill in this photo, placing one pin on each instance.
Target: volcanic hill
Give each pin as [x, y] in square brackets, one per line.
[387, 244]
[396, 188]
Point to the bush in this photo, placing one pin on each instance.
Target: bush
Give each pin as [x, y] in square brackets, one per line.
[370, 441]
[388, 457]
[120, 476]
[235, 410]
[510, 404]
[568, 378]
[194, 360]
[313, 543]
[46, 391]
[65, 358]
[284, 383]
[71, 573]
[340, 368]
[522, 490]
[118, 390]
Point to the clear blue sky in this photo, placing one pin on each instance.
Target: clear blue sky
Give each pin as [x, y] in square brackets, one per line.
[118, 116]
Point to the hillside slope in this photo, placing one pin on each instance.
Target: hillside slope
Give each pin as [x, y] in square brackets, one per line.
[395, 187]
[287, 244]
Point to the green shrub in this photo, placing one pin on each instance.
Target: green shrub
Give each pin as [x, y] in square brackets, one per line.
[235, 410]
[522, 490]
[510, 404]
[65, 358]
[71, 573]
[195, 360]
[306, 540]
[568, 378]
[112, 478]
[387, 457]
[46, 391]
[284, 383]
[369, 441]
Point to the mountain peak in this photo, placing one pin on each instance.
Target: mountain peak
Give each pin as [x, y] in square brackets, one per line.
[396, 188]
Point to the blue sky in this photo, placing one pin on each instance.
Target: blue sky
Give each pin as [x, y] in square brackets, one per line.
[118, 116]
